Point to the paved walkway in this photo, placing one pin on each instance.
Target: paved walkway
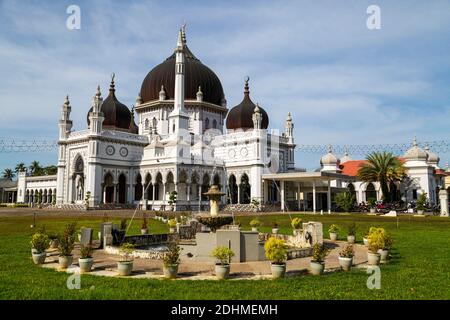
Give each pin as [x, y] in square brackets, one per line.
[106, 265]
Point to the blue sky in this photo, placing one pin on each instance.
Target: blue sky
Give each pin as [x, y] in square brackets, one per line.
[343, 83]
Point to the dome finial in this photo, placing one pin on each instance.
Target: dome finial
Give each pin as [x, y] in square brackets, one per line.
[183, 32]
[415, 141]
[112, 85]
[246, 87]
[98, 92]
[330, 149]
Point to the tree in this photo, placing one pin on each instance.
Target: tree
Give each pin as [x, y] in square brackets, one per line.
[8, 174]
[345, 201]
[20, 167]
[35, 168]
[384, 168]
[50, 170]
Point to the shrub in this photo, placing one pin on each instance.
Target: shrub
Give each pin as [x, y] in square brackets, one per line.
[376, 239]
[334, 228]
[67, 240]
[40, 242]
[276, 250]
[319, 253]
[172, 223]
[20, 205]
[347, 252]
[126, 249]
[296, 223]
[345, 201]
[86, 251]
[255, 223]
[215, 223]
[172, 197]
[371, 202]
[223, 254]
[123, 224]
[420, 204]
[172, 256]
[351, 229]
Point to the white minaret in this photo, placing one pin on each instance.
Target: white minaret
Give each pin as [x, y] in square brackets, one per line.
[178, 118]
[289, 128]
[96, 115]
[65, 124]
[257, 118]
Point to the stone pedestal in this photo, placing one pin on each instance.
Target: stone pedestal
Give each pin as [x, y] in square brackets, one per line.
[443, 198]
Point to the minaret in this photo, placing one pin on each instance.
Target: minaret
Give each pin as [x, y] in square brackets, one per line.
[65, 124]
[289, 129]
[199, 94]
[162, 94]
[96, 116]
[178, 118]
[257, 118]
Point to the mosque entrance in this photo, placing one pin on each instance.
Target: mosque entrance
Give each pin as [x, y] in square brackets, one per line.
[122, 189]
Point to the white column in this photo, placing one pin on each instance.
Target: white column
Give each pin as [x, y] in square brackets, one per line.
[282, 195]
[329, 197]
[239, 194]
[188, 195]
[199, 196]
[298, 196]
[314, 196]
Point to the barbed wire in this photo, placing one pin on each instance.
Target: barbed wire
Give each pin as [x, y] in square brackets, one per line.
[440, 146]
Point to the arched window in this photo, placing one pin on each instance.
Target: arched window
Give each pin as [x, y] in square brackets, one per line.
[206, 124]
[371, 193]
[147, 124]
[214, 124]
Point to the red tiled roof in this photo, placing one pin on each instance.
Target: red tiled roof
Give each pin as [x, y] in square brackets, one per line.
[351, 167]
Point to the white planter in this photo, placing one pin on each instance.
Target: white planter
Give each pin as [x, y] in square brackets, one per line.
[373, 259]
[172, 230]
[372, 210]
[254, 229]
[333, 236]
[317, 268]
[278, 270]
[85, 264]
[222, 271]
[65, 261]
[420, 212]
[39, 258]
[124, 268]
[144, 231]
[351, 239]
[345, 263]
[366, 241]
[275, 230]
[384, 255]
[170, 271]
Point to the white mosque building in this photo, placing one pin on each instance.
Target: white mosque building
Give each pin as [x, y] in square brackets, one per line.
[181, 137]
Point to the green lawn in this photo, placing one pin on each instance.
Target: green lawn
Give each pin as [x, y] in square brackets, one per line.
[419, 269]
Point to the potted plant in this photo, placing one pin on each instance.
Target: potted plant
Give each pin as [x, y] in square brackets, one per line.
[384, 252]
[172, 223]
[172, 200]
[125, 264]
[171, 260]
[256, 205]
[296, 224]
[255, 224]
[39, 243]
[144, 225]
[376, 242]
[223, 255]
[276, 252]
[351, 232]
[420, 204]
[66, 245]
[366, 237]
[372, 205]
[346, 257]
[86, 261]
[333, 231]
[317, 263]
[54, 242]
[275, 228]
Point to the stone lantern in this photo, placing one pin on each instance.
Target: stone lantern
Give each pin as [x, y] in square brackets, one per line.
[214, 195]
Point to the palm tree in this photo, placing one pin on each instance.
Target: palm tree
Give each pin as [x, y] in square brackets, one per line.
[384, 168]
[20, 167]
[35, 168]
[8, 174]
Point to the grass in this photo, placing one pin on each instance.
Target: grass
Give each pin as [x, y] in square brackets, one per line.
[419, 269]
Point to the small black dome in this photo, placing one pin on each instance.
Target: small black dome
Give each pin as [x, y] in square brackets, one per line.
[197, 75]
[241, 116]
[117, 115]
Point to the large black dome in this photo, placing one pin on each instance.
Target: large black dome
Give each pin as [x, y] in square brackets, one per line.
[197, 74]
[117, 115]
[241, 116]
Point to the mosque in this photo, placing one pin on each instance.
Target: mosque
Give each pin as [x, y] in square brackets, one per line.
[180, 138]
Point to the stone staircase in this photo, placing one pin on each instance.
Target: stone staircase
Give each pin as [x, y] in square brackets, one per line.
[250, 208]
